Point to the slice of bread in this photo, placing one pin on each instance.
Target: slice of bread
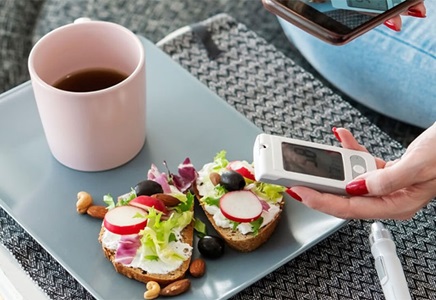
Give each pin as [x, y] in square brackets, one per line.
[139, 274]
[244, 242]
[234, 238]
[164, 210]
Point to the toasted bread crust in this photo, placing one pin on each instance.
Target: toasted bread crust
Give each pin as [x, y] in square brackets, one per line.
[141, 275]
[244, 242]
[235, 239]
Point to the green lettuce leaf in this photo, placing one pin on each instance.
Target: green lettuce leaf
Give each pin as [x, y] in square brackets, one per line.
[211, 201]
[200, 228]
[185, 203]
[109, 200]
[234, 225]
[126, 198]
[219, 192]
[220, 160]
[271, 192]
[159, 233]
[255, 225]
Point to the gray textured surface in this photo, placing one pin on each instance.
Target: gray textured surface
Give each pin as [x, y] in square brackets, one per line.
[279, 97]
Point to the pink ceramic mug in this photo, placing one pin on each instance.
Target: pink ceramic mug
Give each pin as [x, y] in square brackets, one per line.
[94, 130]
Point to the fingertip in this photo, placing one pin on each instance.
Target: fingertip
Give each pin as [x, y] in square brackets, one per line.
[340, 131]
[335, 132]
[393, 24]
[418, 11]
[357, 187]
[302, 194]
[293, 194]
[348, 140]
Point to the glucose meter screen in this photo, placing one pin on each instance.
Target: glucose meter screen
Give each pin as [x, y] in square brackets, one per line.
[312, 161]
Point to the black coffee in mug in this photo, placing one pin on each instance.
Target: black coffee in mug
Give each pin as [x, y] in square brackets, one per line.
[89, 80]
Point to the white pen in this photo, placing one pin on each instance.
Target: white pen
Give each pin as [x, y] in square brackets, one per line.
[388, 266]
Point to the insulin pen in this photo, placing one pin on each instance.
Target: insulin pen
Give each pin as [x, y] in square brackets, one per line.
[388, 266]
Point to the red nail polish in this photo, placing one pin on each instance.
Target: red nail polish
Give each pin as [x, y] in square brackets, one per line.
[415, 13]
[335, 132]
[391, 25]
[293, 194]
[357, 188]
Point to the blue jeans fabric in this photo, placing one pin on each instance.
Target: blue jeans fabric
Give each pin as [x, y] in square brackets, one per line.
[391, 72]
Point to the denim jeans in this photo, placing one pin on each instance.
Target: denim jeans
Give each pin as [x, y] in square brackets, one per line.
[393, 73]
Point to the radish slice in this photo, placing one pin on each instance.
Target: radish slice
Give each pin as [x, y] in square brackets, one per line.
[145, 202]
[240, 206]
[243, 168]
[120, 220]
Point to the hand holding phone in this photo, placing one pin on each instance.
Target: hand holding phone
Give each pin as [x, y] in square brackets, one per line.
[337, 21]
[291, 162]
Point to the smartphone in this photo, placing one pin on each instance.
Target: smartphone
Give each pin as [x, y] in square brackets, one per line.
[291, 162]
[337, 21]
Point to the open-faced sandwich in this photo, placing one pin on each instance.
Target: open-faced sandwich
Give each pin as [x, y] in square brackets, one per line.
[147, 233]
[243, 211]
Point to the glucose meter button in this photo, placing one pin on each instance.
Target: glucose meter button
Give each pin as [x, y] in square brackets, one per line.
[359, 169]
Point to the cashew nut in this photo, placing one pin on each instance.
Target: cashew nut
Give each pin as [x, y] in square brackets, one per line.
[84, 200]
[153, 290]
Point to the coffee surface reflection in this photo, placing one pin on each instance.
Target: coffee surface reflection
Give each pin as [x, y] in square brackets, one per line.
[90, 80]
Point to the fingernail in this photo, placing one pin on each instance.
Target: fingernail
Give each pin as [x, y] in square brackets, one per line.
[293, 194]
[416, 13]
[357, 188]
[335, 132]
[391, 25]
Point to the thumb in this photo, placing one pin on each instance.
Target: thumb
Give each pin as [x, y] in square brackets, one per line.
[382, 182]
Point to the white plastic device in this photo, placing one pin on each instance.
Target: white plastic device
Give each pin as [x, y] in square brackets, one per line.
[370, 6]
[291, 162]
[387, 264]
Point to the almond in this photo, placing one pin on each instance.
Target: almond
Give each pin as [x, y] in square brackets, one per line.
[215, 178]
[197, 268]
[97, 211]
[176, 288]
[168, 200]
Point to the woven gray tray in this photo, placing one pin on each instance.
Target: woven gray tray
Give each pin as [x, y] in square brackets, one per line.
[280, 98]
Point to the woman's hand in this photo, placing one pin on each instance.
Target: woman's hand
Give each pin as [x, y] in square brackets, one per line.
[417, 10]
[396, 190]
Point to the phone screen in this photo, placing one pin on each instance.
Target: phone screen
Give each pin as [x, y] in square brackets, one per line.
[340, 15]
[376, 5]
[312, 161]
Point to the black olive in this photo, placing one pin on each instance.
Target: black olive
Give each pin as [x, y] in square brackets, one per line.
[148, 188]
[211, 246]
[232, 181]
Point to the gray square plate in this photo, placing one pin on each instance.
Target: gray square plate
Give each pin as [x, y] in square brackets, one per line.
[184, 119]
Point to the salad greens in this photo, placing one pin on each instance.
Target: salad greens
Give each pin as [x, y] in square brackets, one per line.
[220, 160]
[158, 234]
[200, 227]
[159, 240]
[124, 200]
